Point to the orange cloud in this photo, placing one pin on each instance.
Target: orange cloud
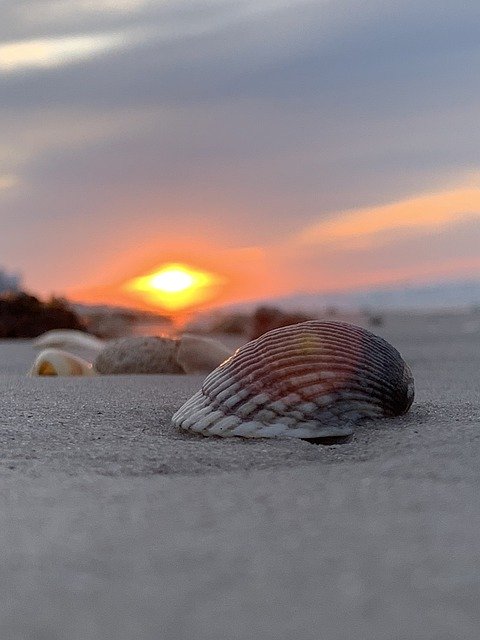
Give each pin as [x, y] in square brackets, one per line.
[416, 214]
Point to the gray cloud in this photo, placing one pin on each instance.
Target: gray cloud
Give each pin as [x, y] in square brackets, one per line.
[310, 55]
[265, 114]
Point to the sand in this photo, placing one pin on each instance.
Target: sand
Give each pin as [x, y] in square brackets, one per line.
[115, 526]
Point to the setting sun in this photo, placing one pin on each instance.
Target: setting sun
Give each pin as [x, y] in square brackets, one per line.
[172, 280]
[175, 287]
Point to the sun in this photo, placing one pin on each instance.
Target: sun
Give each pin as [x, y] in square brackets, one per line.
[174, 287]
[172, 280]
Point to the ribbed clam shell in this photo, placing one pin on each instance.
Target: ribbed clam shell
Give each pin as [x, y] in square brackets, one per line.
[309, 380]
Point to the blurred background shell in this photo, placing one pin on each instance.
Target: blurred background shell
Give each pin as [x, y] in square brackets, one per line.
[143, 355]
[55, 362]
[140, 355]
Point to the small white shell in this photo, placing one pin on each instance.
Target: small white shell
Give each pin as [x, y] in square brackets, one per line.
[311, 380]
[68, 338]
[54, 362]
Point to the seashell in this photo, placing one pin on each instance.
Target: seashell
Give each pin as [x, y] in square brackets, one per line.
[67, 338]
[189, 354]
[312, 380]
[198, 354]
[55, 362]
[139, 355]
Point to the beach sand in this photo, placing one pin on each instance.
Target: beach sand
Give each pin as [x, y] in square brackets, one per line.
[115, 526]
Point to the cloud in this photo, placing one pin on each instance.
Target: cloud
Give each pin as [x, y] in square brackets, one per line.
[48, 9]
[368, 226]
[8, 181]
[45, 53]
[241, 121]
[434, 235]
[323, 55]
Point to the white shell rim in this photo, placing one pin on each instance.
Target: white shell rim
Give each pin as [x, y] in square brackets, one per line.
[198, 416]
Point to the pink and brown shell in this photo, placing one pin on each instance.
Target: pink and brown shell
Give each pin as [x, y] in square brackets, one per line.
[312, 380]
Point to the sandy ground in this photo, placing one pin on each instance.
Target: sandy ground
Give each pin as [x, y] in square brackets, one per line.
[115, 526]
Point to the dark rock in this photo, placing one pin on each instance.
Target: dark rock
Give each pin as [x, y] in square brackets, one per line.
[233, 324]
[267, 318]
[25, 316]
[376, 320]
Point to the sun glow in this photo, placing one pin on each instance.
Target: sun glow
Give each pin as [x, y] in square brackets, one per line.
[172, 280]
[175, 287]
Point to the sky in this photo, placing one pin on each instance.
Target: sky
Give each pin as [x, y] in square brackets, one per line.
[282, 145]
